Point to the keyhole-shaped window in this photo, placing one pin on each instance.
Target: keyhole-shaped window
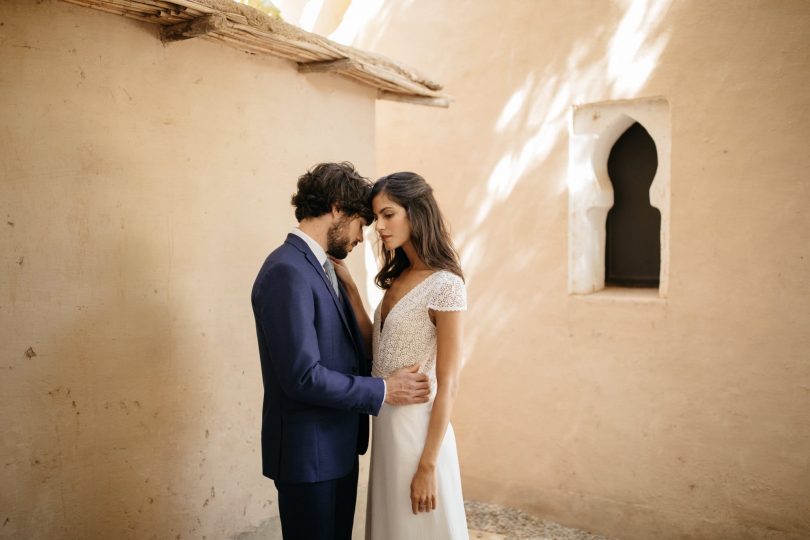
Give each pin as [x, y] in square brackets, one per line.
[633, 230]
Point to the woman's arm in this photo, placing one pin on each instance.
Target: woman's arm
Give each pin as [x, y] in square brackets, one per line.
[424, 486]
[356, 301]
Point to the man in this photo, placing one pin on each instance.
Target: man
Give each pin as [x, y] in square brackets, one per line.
[315, 369]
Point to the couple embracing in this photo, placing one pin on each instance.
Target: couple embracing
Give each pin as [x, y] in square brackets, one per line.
[326, 366]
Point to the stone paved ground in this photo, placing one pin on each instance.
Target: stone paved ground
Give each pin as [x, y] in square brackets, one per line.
[486, 522]
[492, 522]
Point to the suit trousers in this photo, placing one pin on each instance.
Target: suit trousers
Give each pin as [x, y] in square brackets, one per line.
[318, 510]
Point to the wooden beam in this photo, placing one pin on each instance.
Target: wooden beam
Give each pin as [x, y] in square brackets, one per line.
[416, 100]
[245, 29]
[207, 24]
[328, 65]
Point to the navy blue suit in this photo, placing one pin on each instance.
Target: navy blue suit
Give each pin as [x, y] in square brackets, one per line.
[317, 391]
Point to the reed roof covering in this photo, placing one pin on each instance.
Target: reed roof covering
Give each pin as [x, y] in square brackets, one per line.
[256, 32]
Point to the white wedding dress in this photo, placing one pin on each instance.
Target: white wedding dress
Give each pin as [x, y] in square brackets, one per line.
[398, 432]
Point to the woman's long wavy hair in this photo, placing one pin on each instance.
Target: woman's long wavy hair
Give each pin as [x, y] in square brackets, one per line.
[429, 235]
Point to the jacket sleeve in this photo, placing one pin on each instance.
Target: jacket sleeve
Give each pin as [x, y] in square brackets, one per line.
[285, 310]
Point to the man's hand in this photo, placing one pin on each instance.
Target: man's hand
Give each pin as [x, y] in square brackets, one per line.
[342, 273]
[406, 386]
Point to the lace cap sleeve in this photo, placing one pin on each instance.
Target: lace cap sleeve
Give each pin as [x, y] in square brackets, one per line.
[448, 294]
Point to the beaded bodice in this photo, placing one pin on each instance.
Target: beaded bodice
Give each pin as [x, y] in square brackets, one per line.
[408, 336]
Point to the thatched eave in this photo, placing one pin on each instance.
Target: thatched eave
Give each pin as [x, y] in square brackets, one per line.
[255, 32]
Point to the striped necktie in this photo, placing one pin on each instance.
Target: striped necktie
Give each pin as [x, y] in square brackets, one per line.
[330, 271]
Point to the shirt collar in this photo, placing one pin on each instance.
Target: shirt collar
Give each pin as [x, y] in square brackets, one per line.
[316, 248]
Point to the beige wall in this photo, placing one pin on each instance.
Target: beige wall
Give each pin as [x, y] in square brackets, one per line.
[686, 418]
[141, 187]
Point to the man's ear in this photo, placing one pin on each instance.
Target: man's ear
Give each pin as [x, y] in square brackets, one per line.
[336, 212]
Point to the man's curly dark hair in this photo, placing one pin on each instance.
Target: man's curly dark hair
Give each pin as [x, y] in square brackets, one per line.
[328, 184]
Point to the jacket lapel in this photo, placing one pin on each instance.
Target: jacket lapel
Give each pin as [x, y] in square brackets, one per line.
[310, 257]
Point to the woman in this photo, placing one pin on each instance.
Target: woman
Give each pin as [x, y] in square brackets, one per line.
[415, 485]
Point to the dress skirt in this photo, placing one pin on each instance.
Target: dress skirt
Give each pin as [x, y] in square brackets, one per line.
[398, 437]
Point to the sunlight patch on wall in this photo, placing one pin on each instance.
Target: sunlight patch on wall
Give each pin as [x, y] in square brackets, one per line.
[290, 10]
[631, 61]
[357, 17]
[309, 15]
[514, 105]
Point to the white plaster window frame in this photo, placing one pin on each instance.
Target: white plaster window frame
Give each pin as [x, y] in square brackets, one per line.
[594, 129]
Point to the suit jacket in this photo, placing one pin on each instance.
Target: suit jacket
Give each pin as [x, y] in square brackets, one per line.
[317, 389]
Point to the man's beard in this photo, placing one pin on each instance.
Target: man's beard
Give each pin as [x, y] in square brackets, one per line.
[337, 242]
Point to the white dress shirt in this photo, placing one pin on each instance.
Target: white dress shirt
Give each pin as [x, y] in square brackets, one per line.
[316, 248]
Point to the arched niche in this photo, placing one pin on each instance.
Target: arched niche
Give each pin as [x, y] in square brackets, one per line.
[594, 130]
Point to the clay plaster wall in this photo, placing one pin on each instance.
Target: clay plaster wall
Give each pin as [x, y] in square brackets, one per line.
[683, 417]
[141, 187]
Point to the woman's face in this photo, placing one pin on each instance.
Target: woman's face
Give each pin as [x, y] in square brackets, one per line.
[392, 223]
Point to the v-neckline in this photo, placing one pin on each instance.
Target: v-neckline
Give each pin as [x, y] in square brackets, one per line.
[401, 298]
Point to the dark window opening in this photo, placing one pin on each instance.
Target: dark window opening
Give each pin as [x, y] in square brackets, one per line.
[633, 231]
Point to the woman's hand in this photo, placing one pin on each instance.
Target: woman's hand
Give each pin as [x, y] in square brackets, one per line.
[424, 489]
[342, 273]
